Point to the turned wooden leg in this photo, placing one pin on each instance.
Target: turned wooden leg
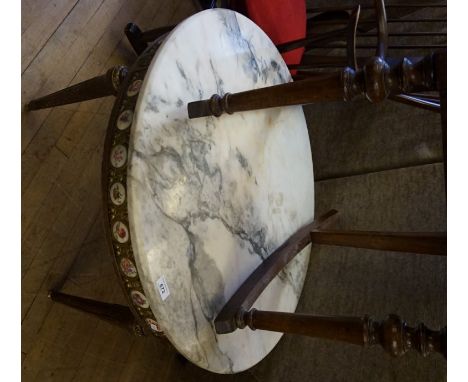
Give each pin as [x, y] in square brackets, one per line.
[242, 300]
[393, 334]
[139, 40]
[97, 87]
[113, 313]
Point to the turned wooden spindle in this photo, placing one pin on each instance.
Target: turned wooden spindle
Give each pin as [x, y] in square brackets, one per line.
[393, 334]
[378, 79]
[318, 232]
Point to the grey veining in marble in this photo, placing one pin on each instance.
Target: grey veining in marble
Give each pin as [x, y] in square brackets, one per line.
[211, 198]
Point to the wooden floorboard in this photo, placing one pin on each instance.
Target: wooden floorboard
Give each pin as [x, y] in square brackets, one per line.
[30, 10]
[62, 58]
[42, 27]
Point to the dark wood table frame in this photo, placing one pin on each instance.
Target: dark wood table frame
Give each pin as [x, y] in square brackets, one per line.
[393, 334]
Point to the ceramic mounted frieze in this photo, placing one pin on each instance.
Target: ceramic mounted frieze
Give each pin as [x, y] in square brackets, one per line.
[115, 163]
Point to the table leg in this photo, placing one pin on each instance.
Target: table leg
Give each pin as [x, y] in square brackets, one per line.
[393, 334]
[416, 242]
[97, 87]
[139, 40]
[133, 33]
[113, 313]
[433, 243]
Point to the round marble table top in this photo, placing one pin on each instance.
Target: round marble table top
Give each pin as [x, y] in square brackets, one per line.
[209, 199]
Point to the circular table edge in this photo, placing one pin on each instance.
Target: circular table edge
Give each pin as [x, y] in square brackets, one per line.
[115, 136]
[116, 210]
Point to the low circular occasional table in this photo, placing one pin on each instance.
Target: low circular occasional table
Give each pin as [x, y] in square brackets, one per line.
[210, 219]
[194, 206]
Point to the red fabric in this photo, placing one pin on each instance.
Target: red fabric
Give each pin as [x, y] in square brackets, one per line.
[282, 20]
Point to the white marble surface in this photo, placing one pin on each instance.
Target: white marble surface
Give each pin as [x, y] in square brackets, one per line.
[210, 198]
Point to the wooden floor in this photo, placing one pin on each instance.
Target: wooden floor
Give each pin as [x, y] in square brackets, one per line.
[64, 42]
[67, 41]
